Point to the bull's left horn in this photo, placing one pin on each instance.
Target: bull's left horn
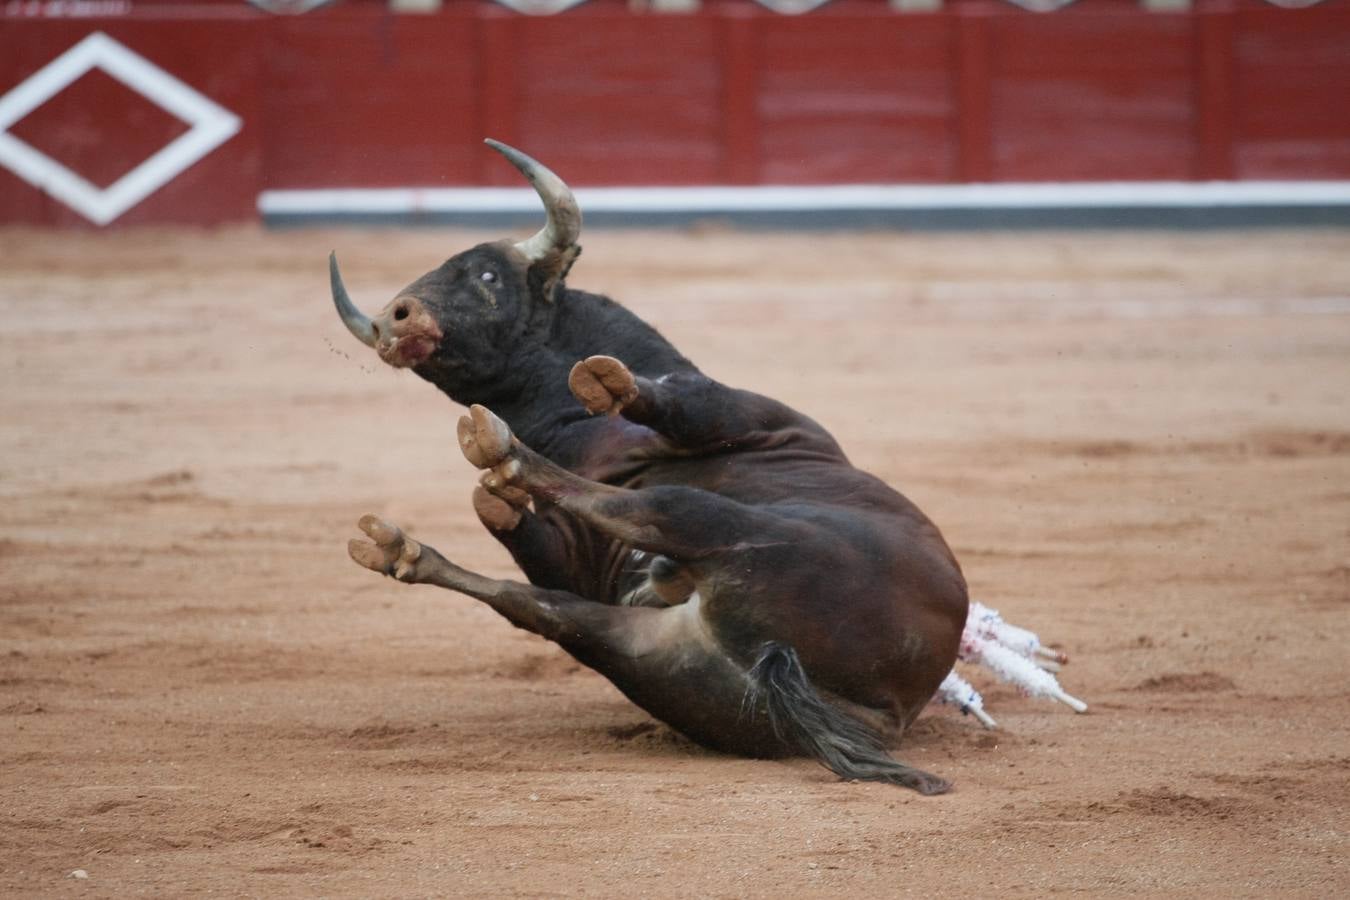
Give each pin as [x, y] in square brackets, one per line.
[564, 215]
[357, 322]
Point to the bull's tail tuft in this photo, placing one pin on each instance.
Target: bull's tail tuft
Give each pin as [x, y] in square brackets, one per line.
[803, 719]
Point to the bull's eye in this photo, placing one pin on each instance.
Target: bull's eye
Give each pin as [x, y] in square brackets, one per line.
[489, 277]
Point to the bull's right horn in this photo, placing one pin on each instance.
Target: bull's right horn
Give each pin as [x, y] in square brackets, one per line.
[357, 322]
[564, 215]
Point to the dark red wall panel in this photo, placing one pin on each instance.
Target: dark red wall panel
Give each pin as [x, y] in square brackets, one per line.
[1292, 92]
[841, 100]
[1091, 96]
[359, 96]
[622, 99]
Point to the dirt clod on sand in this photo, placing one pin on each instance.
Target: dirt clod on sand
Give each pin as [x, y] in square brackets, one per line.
[1137, 444]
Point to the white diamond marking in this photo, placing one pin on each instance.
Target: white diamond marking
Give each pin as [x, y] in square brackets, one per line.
[212, 125]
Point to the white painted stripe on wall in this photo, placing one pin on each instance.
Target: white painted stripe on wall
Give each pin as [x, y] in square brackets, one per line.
[212, 125]
[768, 198]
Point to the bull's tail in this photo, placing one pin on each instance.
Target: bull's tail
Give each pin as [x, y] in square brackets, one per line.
[803, 719]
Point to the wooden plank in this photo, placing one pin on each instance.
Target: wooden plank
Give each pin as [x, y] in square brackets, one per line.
[856, 99]
[972, 111]
[358, 96]
[740, 115]
[1092, 96]
[1214, 94]
[1291, 93]
[622, 99]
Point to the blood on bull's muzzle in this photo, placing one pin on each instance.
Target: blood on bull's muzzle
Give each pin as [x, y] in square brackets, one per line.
[405, 332]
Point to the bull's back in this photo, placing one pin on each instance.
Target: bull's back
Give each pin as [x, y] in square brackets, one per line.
[867, 591]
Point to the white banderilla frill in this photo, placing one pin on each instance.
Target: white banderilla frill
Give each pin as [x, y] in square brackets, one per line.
[1013, 654]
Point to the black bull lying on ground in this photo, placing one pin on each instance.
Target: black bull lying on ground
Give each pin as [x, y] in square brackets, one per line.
[710, 551]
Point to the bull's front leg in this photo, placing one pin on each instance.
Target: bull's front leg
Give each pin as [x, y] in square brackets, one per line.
[683, 523]
[689, 409]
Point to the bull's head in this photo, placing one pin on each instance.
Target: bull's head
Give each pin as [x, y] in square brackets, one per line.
[458, 324]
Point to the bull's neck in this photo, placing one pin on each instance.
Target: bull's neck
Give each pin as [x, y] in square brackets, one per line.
[590, 325]
[533, 397]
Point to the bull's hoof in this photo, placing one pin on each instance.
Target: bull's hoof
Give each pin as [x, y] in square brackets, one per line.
[499, 506]
[484, 438]
[389, 551]
[602, 384]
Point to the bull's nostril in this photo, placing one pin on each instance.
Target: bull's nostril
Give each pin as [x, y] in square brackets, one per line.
[375, 329]
[401, 313]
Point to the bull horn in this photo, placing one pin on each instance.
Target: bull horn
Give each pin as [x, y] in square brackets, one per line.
[357, 322]
[564, 216]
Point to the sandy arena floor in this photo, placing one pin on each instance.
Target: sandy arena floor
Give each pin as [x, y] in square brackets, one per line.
[1138, 445]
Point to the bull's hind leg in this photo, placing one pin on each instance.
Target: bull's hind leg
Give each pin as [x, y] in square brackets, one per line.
[684, 523]
[660, 658]
[689, 409]
[551, 548]
[541, 550]
[625, 644]
[666, 662]
[546, 612]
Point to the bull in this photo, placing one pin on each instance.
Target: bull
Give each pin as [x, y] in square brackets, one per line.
[710, 551]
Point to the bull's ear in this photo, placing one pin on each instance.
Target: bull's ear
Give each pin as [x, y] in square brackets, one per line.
[546, 276]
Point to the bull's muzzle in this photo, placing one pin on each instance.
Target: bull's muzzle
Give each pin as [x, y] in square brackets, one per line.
[405, 332]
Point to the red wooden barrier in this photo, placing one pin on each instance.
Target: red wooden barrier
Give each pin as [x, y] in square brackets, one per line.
[101, 129]
[355, 96]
